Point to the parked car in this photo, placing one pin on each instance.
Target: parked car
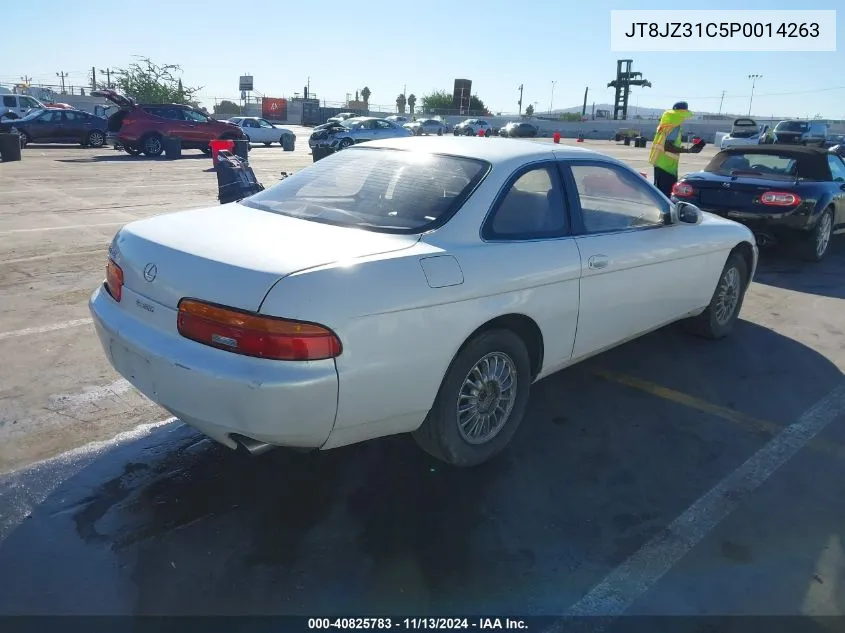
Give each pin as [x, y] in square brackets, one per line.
[395, 118]
[340, 118]
[471, 127]
[744, 131]
[784, 193]
[356, 130]
[800, 132]
[422, 127]
[14, 106]
[515, 129]
[143, 127]
[834, 139]
[56, 125]
[259, 130]
[407, 286]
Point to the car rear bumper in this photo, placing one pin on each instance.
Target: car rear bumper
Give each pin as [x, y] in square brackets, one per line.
[275, 402]
[767, 226]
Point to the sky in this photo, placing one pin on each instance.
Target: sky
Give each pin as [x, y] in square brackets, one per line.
[416, 47]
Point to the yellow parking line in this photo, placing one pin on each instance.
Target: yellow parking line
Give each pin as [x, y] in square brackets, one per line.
[726, 413]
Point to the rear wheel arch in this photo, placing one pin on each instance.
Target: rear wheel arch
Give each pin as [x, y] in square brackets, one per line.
[524, 327]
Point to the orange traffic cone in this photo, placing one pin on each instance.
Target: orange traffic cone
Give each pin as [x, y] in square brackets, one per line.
[481, 133]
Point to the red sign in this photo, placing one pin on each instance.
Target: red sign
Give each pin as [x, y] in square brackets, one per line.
[276, 109]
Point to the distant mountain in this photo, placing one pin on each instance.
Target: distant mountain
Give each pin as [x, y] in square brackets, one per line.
[646, 113]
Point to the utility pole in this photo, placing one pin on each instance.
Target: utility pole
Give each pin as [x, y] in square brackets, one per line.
[93, 77]
[62, 75]
[721, 101]
[753, 79]
[584, 108]
[107, 71]
[520, 100]
[552, 100]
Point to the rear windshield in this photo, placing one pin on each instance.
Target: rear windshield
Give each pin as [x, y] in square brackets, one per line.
[754, 164]
[384, 190]
[792, 126]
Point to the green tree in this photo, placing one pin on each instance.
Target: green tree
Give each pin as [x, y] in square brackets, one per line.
[400, 104]
[365, 95]
[412, 101]
[148, 82]
[477, 106]
[226, 109]
[571, 116]
[437, 100]
[529, 111]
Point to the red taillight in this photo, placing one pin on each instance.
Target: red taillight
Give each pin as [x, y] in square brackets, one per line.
[114, 280]
[779, 199]
[251, 334]
[682, 190]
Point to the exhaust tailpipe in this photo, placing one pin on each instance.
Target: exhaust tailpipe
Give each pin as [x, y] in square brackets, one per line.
[251, 446]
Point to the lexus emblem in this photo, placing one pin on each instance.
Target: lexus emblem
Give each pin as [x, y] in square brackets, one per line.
[150, 272]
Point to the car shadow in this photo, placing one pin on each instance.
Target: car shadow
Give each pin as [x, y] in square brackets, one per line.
[173, 523]
[125, 158]
[782, 269]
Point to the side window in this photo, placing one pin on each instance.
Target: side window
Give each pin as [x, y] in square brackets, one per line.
[50, 116]
[368, 125]
[9, 102]
[29, 102]
[263, 123]
[614, 200]
[837, 168]
[196, 117]
[383, 125]
[532, 208]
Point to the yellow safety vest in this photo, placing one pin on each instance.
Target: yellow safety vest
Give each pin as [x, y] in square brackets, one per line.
[658, 156]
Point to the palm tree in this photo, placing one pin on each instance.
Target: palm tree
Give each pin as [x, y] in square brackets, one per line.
[412, 101]
[400, 104]
[365, 95]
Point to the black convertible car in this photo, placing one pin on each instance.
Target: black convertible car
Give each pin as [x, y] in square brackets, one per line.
[784, 193]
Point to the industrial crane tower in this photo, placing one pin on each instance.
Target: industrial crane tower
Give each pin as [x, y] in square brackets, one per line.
[623, 82]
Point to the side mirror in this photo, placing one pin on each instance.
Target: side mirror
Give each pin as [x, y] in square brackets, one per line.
[688, 213]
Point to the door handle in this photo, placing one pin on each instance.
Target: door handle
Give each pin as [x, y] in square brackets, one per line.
[598, 262]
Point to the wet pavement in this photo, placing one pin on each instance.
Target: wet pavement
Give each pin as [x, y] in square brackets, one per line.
[162, 521]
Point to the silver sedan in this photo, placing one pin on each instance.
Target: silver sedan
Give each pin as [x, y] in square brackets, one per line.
[426, 126]
[356, 130]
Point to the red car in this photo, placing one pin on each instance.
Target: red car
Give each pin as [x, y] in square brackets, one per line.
[143, 127]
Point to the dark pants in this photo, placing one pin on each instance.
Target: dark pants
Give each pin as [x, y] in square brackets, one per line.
[664, 181]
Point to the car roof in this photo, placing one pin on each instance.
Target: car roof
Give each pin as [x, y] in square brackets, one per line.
[492, 150]
[777, 148]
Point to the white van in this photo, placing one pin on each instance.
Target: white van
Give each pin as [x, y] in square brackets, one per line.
[14, 106]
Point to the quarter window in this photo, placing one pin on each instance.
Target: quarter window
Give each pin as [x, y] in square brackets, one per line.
[614, 200]
[532, 208]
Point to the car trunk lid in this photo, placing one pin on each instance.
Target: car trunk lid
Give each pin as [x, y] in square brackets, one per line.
[231, 254]
[717, 191]
[115, 97]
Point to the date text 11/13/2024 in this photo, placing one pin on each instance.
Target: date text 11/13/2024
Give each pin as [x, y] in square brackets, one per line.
[682, 30]
[413, 624]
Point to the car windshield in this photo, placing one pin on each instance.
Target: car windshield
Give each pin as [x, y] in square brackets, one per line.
[792, 126]
[384, 190]
[778, 166]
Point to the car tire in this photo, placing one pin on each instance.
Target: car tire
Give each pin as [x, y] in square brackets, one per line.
[813, 246]
[456, 132]
[720, 316]
[439, 131]
[344, 143]
[25, 140]
[152, 145]
[443, 435]
[96, 139]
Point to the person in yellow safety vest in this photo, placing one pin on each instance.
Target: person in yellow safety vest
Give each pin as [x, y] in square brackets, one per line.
[666, 147]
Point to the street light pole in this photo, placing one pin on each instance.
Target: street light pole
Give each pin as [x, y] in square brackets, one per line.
[552, 100]
[753, 79]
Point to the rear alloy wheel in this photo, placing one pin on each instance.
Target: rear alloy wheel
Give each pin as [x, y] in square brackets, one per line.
[481, 401]
[152, 146]
[96, 139]
[344, 143]
[720, 316]
[815, 245]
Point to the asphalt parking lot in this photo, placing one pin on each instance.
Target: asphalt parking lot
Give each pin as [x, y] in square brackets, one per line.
[669, 476]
